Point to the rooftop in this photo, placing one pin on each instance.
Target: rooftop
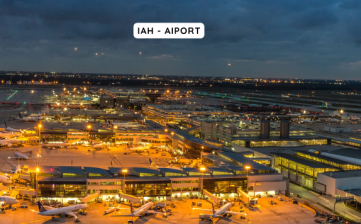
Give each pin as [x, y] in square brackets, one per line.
[343, 174]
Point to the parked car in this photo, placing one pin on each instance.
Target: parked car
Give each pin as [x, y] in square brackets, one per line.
[24, 204]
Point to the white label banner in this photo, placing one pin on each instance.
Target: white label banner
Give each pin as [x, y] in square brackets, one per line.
[168, 30]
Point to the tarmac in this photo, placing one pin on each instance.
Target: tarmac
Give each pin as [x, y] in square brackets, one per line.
[264, 212]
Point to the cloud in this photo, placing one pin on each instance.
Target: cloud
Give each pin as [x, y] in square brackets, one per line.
[279, 37]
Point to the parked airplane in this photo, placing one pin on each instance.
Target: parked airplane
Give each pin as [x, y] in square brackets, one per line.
[14, 171]
[21, 118]
[7, 200]
[56, 145]
[100, 146]
[144, 210]
[304, 121]
[19, 155]
[70, 210]
[139, 148]
[8, 135]
[11, 129]
[222, 211]
[10, 142]
[4, 180]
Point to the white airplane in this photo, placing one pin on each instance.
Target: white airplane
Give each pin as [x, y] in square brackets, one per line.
[144, 210]
[304, 121]
[100, 146]
[56, 145]
[10, 142]
[12, 130]
[51, 211]
[14, 171]
[19, 155]
[221, 212]
[7, 200]
[139, 148]
[8, 135]
[5, 180]
[21, 118]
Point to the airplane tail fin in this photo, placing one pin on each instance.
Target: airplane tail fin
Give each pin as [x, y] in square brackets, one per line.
[5, 124]
[44, 141]
[213, 209]
[151, 163]
[131, 207]
[20, 115]
[41, 207]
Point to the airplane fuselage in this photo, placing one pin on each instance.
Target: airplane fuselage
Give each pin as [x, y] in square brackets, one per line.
[142, 210]
[7, 200]
[5, 180]
[64, 210]
[222, 210]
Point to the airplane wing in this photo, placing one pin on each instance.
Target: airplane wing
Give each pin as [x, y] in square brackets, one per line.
[235, 213]
[203, 209]
[154, 212]
[71, 214]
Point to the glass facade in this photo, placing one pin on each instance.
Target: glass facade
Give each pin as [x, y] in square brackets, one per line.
[148, 189]
[224, 185]
[54, 137]
[323, 160]
[74, 189]
[291, 166]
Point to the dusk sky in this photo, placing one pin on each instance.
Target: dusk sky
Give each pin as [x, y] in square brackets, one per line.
[259, 38]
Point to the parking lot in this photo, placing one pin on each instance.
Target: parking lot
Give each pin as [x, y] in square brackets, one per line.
[264, 212]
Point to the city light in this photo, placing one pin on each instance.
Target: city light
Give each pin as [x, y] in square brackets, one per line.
[202, 168]
[124, 170]
[39, 125]
[37, 169]
[89, 126]
[115, 127]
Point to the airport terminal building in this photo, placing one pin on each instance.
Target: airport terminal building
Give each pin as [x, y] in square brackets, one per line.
[71, 182]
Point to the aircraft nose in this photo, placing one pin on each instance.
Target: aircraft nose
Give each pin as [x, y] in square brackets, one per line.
[17, 201]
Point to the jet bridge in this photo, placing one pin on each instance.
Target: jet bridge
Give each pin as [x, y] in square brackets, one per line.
[129, 197]
[212, 197]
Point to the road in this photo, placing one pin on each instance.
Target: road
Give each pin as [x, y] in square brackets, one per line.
[327, 201]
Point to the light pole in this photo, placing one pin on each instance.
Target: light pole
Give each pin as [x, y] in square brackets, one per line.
[36, 182]
[39, 126]
[202, 169]
[202, 154]
[124, 171]
[247, 168]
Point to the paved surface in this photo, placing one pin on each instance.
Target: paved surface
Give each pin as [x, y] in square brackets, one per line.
[325, 200]
[82, 157]
[282, 212]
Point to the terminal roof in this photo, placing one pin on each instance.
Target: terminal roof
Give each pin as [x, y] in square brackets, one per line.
[71, 169]
[348, 152]
[171, 170]
[97, 171]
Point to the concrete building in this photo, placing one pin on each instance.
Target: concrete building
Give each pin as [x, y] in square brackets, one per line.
[331, 182]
